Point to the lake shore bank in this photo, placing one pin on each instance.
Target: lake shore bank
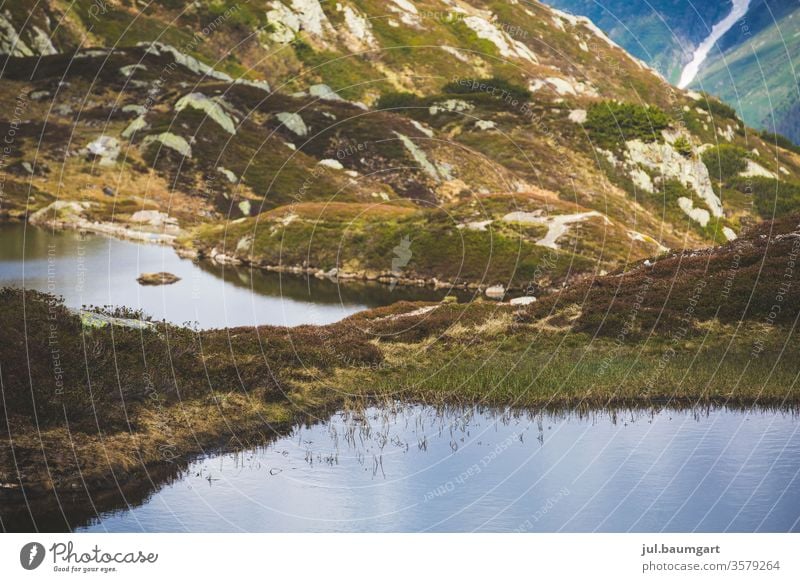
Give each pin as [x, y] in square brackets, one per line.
[84, 402]
[68, 216]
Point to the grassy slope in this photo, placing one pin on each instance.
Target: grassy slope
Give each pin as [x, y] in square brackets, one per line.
[363, 239]
[705, 326]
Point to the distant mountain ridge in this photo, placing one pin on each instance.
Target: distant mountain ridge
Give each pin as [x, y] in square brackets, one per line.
[757, 70]
[663, 33]
[752, 67]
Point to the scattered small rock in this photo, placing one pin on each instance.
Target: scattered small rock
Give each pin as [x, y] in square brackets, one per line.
[171, 141]
[525, 300]
[129, 70]
[577, 115]
[39, 95]
[154, 218]
[293, 122]
[106, 148]
[331, 163]
[228, 174]
[324, 92]
[495, 292]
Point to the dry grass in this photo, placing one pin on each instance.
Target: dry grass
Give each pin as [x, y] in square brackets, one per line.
[60, 458]
[344, 210]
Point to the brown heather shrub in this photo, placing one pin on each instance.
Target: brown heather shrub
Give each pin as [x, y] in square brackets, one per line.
[739, 281]
[103, 372]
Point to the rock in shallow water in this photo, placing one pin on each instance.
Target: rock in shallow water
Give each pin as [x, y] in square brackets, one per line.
[161, 278]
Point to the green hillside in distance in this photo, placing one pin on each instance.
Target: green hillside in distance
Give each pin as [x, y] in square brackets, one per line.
[756, 70]
[663, 33]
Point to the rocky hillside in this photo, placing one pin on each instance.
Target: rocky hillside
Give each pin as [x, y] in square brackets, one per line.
[484, 143]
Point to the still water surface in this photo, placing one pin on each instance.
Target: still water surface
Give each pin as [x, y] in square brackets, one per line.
[416, 468]
[88, 269]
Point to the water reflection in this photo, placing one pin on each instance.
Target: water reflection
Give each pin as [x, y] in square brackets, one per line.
[95, 270]
[418, 468]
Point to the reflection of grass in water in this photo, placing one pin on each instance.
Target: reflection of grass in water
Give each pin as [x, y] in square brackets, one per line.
[366, 431]
[369, 433]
